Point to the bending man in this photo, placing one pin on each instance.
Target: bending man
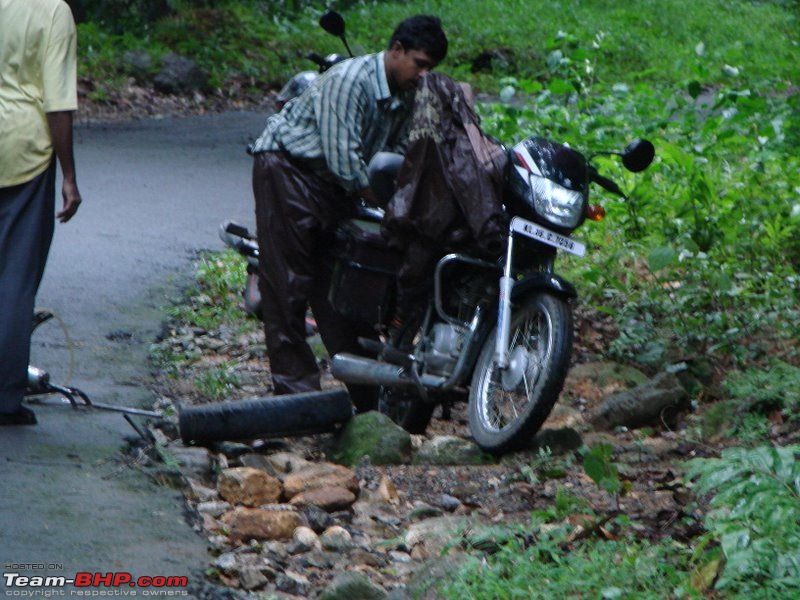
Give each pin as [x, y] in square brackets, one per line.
[309, 161]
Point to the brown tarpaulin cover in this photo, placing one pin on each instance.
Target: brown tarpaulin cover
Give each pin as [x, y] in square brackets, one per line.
[449, 188]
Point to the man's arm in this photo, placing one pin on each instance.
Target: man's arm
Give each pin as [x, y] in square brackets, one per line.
[61, 132]
[339, 108]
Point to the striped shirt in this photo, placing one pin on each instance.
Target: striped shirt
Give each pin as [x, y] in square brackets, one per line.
[341, 121]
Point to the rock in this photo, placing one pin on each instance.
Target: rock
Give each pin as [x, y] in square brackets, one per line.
[423, 511]
[304, 539]
[563, 416]
[232, 449]
[375, 435]
[316, 559]
[605, 374]
[200, 492]
[336, 539]
[435, 534]
[251, 578]
[317, 476]
[318, 519]
[351, 585]
[329, 499]
[260, 462]
[641, 405]
[448, 502]
[192, 462]
[277, 522]
[287, 462]
[559, 441]
[293, 583]
[494, 59]
[214, 508]
[451, 450]
[387, 491]
[248, 486]
[137, 63]
[179, 75]
[225, 562]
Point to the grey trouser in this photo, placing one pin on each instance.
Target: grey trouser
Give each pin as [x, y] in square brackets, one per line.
[26, 230]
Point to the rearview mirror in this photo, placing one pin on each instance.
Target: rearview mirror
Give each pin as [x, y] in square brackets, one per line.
[333, 23]
[638, 155]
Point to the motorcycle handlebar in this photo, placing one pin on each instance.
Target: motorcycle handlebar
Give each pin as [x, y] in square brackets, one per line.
[238, 230]
[605, 182]
[240, 239]
[317, 59]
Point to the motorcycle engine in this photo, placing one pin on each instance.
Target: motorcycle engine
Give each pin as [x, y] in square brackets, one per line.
[444, 349]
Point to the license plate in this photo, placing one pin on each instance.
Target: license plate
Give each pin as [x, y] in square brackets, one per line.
[545, 236]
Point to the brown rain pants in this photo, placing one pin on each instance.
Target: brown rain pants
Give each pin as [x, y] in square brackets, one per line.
[296, 215]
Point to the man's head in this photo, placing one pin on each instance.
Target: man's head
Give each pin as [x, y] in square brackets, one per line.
[417, 46]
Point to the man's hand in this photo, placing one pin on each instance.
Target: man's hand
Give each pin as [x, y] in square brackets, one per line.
[72, 200]
[368, 196]
[61, 133]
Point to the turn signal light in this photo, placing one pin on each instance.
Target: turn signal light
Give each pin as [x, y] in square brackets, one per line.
[595, 212]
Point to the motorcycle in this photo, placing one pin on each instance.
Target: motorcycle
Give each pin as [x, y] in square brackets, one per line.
[333, 23]
[498, 333]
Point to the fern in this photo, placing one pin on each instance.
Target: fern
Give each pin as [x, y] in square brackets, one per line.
[754, 515]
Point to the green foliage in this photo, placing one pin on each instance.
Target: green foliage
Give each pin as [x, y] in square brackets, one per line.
[216, 300]
[757, 393]
[545, 568]
[216, 383]
[598, 466]
[755, 517]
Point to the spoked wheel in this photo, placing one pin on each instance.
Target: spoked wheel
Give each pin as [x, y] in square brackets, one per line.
[406, 409]
[507, 406]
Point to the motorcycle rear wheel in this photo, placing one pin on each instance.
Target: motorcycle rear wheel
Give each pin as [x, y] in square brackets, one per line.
[406, 409]
[507, 406]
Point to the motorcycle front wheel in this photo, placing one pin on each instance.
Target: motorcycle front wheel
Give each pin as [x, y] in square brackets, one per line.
[507, 406]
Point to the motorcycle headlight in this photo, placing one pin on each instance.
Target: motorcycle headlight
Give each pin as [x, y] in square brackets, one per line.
[555, 203]
[549, 182]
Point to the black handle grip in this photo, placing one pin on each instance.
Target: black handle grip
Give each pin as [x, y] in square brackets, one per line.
[240, 230]
[605, 183]
[317, 59]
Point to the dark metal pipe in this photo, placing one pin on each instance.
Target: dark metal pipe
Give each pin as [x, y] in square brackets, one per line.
[274, 416]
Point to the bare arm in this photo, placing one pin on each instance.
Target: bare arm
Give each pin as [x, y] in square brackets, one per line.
[61, 131]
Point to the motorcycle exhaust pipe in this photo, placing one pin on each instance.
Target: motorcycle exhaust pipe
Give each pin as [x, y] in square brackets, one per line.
[366, 371]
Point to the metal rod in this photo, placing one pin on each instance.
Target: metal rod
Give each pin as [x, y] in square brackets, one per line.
[504, 307]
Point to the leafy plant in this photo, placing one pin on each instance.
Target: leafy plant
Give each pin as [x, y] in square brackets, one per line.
[216, 383]
[755, 517]
[761, 392]
[599, 467]
[548, 566]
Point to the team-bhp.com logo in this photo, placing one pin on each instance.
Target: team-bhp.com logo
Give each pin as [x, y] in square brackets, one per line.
[94, 584]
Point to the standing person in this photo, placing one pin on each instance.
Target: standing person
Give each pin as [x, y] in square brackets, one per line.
[38, 95]
[310, 158]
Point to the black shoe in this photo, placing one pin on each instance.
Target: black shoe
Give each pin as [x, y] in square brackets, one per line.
[23, 416]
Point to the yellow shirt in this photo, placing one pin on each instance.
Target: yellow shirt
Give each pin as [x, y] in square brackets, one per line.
[38, 74]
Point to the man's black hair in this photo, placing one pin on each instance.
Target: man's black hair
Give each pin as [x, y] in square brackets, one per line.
[422, 32]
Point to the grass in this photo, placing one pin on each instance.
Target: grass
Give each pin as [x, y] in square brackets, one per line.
[650, 41]
[553, 567]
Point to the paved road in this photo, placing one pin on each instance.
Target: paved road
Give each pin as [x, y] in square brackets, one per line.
[154, 192]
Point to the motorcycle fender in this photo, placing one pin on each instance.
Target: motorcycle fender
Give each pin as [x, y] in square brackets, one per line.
[543, 281]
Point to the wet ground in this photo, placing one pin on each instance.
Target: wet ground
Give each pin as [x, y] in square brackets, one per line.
[154, 192]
